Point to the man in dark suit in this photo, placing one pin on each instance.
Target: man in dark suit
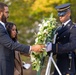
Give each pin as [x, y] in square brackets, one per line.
[7, 47]
[65, 42]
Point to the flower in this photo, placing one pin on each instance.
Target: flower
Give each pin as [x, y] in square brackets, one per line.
[44, 35]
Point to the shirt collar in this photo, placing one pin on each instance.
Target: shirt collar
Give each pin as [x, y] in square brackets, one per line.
[66, 22]
[3, 24]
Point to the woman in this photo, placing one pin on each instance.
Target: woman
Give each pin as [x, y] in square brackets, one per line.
[12, 31]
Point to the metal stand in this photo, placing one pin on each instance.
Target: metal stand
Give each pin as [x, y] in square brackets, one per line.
[50, 61]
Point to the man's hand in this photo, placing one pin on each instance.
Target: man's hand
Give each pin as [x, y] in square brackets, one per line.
[37, 48]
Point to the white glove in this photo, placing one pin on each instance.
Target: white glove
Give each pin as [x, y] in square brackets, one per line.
[48, 46]
[26, 65]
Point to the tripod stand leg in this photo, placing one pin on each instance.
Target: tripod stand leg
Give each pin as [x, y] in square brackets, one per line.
[56, 66]
[49, 65]
[52, 60]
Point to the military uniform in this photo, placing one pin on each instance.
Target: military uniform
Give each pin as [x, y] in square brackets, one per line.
[65, 45]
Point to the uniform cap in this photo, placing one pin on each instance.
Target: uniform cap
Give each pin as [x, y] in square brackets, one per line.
[62, 9]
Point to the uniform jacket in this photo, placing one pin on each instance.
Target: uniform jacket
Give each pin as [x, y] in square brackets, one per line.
[18, 69]
[7, 47]
[64, 46]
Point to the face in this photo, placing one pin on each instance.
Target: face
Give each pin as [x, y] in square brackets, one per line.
[6, 12]
[64, 18]
[3, 18]
[4, 15]
[13, 32]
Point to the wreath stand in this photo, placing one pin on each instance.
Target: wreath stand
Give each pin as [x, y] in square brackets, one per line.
[51, 60]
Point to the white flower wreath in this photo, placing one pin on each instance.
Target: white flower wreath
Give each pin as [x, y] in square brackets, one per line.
[44, 35]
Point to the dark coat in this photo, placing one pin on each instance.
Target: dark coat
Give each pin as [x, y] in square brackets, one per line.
[64, 47]
[7, 47]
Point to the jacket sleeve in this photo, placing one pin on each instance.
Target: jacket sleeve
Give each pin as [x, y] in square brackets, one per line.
[70, 46]
[6, 41]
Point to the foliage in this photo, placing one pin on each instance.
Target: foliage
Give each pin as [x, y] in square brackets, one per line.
[44, 8]
[43, 36]
[26, 14]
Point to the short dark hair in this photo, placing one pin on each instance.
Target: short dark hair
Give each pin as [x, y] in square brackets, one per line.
[5, 5]
[1, 7]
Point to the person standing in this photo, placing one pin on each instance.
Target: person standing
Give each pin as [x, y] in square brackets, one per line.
[65, 42]
[7, 47]
[12, 31]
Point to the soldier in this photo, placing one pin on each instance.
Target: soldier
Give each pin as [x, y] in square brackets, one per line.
[65, 42]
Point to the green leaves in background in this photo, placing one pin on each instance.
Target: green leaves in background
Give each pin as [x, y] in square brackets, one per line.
[27, 14]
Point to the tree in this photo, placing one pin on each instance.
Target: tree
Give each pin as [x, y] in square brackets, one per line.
[26, 14]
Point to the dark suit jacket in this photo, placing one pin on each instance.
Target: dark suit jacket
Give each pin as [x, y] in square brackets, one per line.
[7, 47]
[65, 45]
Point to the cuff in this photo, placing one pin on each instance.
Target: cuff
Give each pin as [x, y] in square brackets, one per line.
[30, 50]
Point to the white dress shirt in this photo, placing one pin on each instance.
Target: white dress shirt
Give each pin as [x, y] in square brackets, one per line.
[66, 22]
[3, 24]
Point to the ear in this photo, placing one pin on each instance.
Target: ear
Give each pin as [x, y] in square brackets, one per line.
[1, 13]
[69, 13]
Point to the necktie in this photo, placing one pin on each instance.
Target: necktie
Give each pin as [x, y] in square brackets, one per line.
[62, 25]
